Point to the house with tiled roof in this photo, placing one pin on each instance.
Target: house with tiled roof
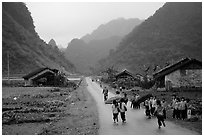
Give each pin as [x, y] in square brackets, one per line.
[41, 76]
[184, 73]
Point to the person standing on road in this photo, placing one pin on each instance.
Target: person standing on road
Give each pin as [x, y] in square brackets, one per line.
[183, 107]
[123, 108]
[172, 105]
[147, 108]
[132, 101]
[125, 99]
[105, 93]
[153, 104]
[164, 104]
[159, 112]
[177, 108]
[115, 110]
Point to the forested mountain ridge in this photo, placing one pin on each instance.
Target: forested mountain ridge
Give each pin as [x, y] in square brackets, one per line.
[87, 51]
[172, 33]
[27, 51]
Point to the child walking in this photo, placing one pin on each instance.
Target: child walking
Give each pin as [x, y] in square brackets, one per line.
[115, 110]
[123, 108]
[159, 112]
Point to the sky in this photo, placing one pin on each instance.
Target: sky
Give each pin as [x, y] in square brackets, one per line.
[67, 20]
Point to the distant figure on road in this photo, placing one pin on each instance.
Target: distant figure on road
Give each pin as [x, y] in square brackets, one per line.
[123, 108]
[147, 108]
[115, 110]
[183, 107]
[164, 104]
[105, 92]
[136, 104]
[159, 113]
[172, 105]
[132, 101]
[125, 98]
[153, 105]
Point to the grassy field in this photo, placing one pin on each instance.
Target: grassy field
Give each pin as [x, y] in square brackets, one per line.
[48, 111]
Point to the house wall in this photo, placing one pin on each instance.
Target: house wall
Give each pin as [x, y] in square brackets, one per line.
[191, 78]
[185, 78]
[173, 78]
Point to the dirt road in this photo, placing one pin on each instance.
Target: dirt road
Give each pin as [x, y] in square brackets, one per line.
[137, 123]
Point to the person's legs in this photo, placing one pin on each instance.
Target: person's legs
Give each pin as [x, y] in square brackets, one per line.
[122, 114]
[164, 112]
[174, 113]
[124, 117]
[162, 120]
[153, 109]
[159, 121]
[178, 114]
[183, 114]
[114, 118]
[150, 110]
[117, 117]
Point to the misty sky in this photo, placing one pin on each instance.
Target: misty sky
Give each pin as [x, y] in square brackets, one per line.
[65, 21]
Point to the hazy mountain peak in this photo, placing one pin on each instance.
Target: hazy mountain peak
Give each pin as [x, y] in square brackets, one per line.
[112, 28]
[99, 43]
[52, 43]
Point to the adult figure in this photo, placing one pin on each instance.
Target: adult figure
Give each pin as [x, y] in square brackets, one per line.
[105, 93]
[137, 105]
[125, 99]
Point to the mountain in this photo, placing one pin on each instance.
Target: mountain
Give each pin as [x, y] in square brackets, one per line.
[87, 51]
[52, 43]
[25, 48]
[118, 27]
[172, 33]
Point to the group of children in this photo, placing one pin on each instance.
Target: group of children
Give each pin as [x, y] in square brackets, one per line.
[151, 104]
[180, 107]
[119, 108]
[134, 103]
[155, 107]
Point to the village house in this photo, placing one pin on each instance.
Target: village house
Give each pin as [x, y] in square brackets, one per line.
[186, 73]
[41, 76]
[125, 74]
[126, 79]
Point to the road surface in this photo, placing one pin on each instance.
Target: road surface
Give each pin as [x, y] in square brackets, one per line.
[137, 123]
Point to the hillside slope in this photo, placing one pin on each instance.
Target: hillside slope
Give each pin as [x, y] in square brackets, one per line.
[172, 33]
[87, 51]
[27, 51]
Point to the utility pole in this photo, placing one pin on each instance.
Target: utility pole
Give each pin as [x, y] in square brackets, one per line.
[8, 67]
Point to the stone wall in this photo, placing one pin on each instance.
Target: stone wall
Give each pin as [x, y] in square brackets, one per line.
[185, 78]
